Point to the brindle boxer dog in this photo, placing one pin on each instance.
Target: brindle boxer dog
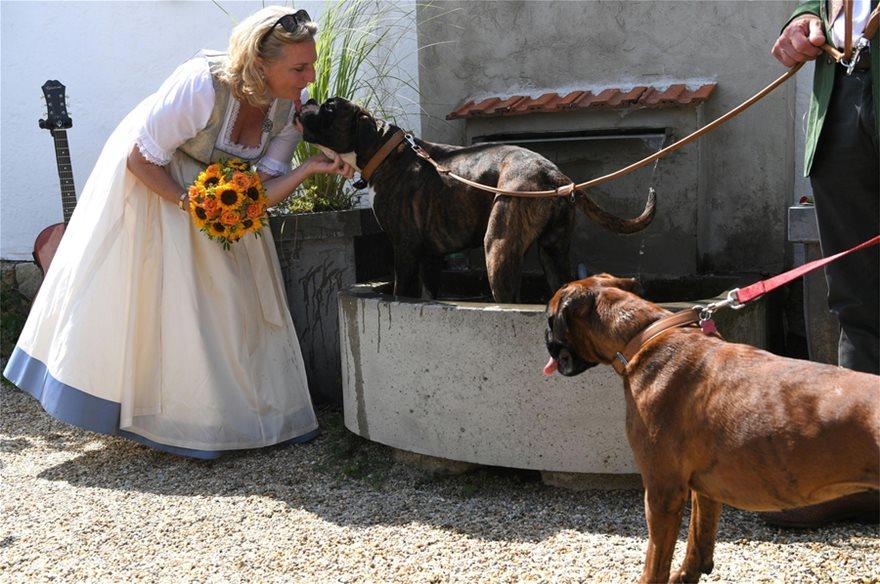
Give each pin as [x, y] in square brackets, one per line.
[427, 215]
[725, 422]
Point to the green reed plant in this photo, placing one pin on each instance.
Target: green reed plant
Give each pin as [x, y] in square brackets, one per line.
[356, 63]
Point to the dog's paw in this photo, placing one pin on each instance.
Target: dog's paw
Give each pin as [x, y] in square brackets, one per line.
[682, 575]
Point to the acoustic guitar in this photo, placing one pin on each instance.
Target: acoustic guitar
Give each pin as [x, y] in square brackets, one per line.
[57, 122]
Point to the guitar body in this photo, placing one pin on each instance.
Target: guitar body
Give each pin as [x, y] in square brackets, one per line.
[57, 122]
[47, 244]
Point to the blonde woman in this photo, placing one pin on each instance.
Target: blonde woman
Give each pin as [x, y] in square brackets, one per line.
[144, 327]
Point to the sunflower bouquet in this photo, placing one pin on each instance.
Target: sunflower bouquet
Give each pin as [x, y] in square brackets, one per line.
[227, 201]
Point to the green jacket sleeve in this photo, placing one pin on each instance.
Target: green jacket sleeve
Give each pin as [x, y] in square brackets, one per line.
[806, 7]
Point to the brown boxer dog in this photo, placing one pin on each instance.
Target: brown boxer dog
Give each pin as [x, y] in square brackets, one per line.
[427, 215]
[723, 422]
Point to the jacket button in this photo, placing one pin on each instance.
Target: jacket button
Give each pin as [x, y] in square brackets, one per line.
[829, 60]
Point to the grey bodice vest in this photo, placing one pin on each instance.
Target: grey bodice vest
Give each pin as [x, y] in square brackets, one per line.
[203, 146]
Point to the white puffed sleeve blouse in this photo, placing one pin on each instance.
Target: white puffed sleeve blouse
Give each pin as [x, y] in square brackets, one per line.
[181, 109]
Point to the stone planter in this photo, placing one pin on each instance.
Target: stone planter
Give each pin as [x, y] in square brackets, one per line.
[320, 254]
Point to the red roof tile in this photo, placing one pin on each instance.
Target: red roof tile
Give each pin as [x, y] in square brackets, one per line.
[590, 99]
[612, 97]
[503, 106]
[628, 98]
[569, 99]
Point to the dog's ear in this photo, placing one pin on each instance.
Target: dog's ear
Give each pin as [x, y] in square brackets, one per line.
[628, 284]
[365, 131]
[574, 307]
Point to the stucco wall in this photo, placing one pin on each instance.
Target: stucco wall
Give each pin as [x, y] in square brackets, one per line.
[110, 55]
[722, 201]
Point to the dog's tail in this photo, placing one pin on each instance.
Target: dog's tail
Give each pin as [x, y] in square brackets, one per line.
[612, 222]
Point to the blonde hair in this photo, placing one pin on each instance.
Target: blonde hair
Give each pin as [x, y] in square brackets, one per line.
[246, 46]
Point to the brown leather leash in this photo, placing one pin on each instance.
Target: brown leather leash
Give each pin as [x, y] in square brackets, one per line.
[847, 58]
[569, 189]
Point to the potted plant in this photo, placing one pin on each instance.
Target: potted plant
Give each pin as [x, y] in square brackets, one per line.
[325, 240]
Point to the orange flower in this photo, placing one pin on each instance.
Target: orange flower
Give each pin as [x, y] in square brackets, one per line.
[254, 210]
[196, 193]
[241, 181]
[230, 218]
[211, 207]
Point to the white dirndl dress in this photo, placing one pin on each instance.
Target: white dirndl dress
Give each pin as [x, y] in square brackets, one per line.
[145, 328]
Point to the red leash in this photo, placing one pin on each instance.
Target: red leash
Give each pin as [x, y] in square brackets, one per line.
[758, 289]
[738, 297]
[702, 315]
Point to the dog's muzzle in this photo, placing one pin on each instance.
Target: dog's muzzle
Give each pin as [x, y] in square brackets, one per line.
[567, 362]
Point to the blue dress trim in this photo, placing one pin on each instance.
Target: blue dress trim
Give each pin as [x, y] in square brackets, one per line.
[90, 412]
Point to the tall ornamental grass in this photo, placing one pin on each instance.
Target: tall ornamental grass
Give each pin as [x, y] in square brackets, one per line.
[355, 61]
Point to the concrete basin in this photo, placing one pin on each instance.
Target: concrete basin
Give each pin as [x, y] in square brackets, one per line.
[462, 380]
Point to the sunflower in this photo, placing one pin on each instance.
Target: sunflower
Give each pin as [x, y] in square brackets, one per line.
[199, 216]
[210, 176]
[228, 197]
[238, 164]
[235, 234]
[254, 193]
[216, 229]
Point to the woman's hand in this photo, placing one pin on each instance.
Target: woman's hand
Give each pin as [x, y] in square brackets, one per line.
[277, 188]
[319, 163]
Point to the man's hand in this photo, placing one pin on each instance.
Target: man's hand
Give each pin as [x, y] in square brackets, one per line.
[800, 41]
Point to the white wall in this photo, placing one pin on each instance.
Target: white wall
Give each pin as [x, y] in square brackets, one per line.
[109, 55]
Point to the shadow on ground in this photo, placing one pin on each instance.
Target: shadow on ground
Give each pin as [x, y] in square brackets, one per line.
[349, 481]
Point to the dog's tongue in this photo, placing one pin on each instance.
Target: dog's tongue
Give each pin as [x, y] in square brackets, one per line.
[550, 367]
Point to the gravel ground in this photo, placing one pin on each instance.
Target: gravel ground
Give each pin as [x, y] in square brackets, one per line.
[77, 506]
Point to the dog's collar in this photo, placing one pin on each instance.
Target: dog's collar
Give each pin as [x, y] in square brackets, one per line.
[679, 319]
[380, 156]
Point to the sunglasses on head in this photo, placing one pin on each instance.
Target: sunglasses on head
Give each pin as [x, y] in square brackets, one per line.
[289, 22]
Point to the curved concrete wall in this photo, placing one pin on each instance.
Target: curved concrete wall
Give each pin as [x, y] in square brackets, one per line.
[463, 381]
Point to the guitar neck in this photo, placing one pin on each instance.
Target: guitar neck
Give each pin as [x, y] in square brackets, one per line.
[65, 173]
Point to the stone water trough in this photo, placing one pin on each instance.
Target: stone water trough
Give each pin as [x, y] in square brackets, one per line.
[462, 380]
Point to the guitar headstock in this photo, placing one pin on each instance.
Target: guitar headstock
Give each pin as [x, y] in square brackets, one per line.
[56, 107]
